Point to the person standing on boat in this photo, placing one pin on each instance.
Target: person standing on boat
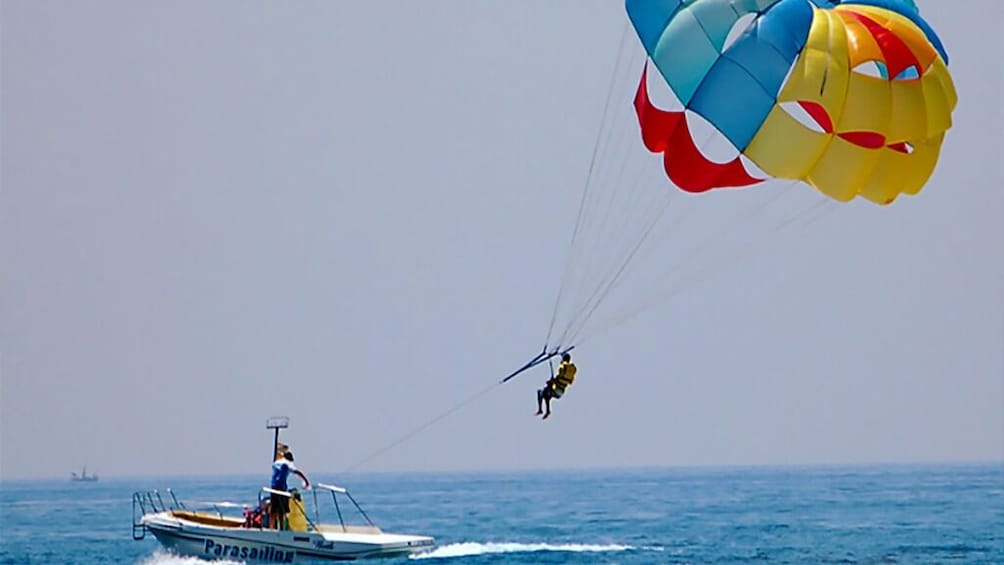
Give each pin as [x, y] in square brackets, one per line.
[281, 469]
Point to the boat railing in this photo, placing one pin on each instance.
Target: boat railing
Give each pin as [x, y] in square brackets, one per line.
[217, 507]
[335, 492]
[150, 502]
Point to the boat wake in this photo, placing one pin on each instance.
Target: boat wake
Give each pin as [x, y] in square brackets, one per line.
[467, 549]
[160, 557]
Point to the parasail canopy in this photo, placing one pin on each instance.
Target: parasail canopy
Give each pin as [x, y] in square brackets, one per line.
[853, 98]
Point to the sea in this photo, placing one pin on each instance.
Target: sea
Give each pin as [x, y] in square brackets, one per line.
[834, 514]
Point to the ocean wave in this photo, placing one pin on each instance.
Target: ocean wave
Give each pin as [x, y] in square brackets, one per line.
[466, 549]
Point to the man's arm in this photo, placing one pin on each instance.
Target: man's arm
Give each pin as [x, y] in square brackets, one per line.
[306, 481]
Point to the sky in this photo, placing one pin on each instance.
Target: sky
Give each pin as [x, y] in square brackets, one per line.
[359, 214]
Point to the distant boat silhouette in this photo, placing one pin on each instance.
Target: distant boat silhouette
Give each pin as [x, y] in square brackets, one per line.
[83, 476]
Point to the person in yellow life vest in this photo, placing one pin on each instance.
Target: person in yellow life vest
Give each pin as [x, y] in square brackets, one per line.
[556, 385]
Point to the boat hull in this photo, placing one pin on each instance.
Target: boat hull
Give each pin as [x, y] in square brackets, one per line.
[272, 546]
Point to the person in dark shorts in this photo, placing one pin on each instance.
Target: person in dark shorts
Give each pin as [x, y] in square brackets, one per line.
[281, 469]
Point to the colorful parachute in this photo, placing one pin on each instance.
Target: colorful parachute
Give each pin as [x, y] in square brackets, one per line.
[853, 97]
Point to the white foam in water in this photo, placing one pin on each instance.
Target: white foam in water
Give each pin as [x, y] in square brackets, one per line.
[465, 549]
[160, 557]
[474, 548]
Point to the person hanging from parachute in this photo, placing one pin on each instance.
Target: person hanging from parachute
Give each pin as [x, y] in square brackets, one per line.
[555, 386]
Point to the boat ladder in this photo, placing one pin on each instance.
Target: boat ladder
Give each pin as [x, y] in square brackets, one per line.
[150, 502]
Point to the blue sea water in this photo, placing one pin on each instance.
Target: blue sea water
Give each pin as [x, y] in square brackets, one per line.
[876, 514]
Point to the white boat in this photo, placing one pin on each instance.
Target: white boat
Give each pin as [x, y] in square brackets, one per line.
[208, 532]
[212, 534]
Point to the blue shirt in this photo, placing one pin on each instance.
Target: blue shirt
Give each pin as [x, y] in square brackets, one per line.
[280, 472]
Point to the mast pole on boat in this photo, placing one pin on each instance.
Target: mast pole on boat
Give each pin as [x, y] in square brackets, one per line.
[276, 423]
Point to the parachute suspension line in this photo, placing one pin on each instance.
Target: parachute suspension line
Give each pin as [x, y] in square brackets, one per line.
[808, 216]
[586, 234]
[741, 219]
[589, 176]
[614, 276]
[610, 284]
[823, 209]
[743, 216]
[617, 271]
[616, 224]
[800, 219]
[678, 284]
[618, 228]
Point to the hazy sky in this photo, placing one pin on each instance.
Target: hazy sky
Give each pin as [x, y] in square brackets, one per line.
[357, 214]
